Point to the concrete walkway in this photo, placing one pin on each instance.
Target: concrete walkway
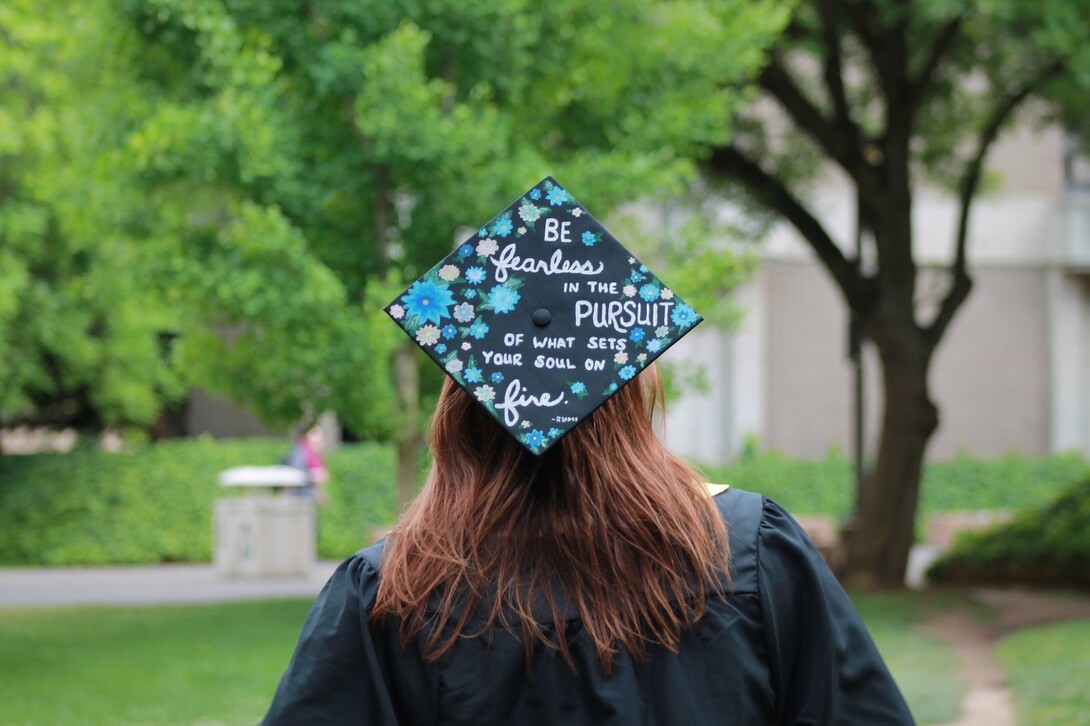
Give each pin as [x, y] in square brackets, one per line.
[139, 585]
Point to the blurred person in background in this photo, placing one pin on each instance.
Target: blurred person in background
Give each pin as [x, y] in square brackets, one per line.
[307, 457]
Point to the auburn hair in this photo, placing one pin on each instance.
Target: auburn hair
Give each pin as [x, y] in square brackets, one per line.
[606, 524]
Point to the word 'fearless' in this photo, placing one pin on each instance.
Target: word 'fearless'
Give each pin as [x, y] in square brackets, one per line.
[555, 265]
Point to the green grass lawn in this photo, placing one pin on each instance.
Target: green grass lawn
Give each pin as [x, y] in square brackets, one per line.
[209, 665]
[219, 664]
[1049, 668]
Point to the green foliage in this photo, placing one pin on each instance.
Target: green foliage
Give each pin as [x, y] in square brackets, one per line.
[1045, 546]
[1049, 668]
[155, 504]
[206, 664]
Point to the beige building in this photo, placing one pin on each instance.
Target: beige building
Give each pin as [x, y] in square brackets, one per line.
[1011, 375]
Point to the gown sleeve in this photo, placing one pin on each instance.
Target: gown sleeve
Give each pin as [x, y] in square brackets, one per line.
[335, 675]
[825, 667]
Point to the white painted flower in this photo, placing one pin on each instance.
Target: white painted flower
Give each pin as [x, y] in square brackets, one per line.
[525, 424]
[487, 247]
[454, 366]
[464, 312]
[666, 294]
[630, 291]
[631, 260]
[427, 335]
[466, 345]
[577, 212]
[397, 312]
[642, 357]
[449, 273]
[621, 358]
[485, 394]
[529, 213]
[522, 230]
[662, 331]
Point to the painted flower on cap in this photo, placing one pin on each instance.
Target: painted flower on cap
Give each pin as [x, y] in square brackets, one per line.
[621, 358]
[649, 293]
[497, 377]
[535, 193]
[449, 273]
[487, 247]
[535, 437]
[589, 238]
[473, 375]
[557, 196]
[479, 329]
[635, 335]
[502, 227]
[503, 299]
[485, 394]
[397, 312]
[475, 275]
[441, 348]
[427, 335]
[578, 388]
[463, 312]
[529, 212]
[465, 250]
[667, 294]
[454, 365]
[449, 331]
[654, 345]
[629, 290]
[662, 331]
[683, 316]
[427, 301]
[627, 372]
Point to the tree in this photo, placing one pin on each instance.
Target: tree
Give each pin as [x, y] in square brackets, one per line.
[80, 343]
[892, 91]
[334, 150]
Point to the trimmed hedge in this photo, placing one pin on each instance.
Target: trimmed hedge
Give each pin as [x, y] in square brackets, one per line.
[154, 504]
[1047, 546]
[827, 486]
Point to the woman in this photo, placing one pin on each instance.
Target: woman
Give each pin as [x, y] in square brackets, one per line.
[598, 583]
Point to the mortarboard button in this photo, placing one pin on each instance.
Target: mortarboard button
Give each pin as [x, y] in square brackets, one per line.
[599, 315]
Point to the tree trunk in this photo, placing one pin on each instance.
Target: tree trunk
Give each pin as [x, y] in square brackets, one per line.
[877, 543]
[409, 439]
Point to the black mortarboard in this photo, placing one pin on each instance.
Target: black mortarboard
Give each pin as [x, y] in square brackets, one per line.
[542, 315]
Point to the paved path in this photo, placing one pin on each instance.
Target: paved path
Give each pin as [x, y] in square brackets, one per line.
[138, 585]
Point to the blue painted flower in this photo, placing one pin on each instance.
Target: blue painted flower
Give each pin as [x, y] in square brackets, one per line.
[475, 275]
[636, 335]
[636, 277]
[578, 388]
[502, 227]
[589, 238]
[463, 312]
[535, 438]
[535, 193]
[612, 388]
[469, 293]
[465, 250]
[557, 196]
[427, 301]
[553, 433]
[649, 293]
[473, 375]
[683, 316]
[449, 331]
[479, 329]
[441, 348]
[497, 377]
[482, 232]
[643, 268]
[654, 346]
[503, 299]
[627, 372]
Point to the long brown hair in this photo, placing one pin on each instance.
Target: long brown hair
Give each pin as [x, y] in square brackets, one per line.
[606, 524]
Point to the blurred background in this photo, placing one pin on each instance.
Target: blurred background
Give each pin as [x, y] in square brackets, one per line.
[881, 207]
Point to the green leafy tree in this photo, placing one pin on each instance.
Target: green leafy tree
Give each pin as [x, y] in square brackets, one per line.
[892, 92]
[305, 160]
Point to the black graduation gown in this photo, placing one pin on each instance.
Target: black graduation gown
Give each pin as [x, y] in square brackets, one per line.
[785, 647]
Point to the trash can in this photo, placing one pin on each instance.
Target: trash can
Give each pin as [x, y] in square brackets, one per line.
[270, 530]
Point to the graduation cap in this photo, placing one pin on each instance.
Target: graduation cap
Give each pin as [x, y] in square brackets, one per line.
[542, 315]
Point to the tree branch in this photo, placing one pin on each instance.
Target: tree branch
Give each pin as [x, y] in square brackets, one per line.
[729, 161]
[945, 41]
[841, 147]
[967, 189]
[834, 67]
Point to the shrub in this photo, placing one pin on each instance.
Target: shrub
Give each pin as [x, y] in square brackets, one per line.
[154, 504]
[1045, 546]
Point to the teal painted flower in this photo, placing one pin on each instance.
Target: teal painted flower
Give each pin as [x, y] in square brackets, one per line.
[479, 329]
[636, 277]
[503, 299]
[473, 375]
[662, 331]
[502, 227]
[441, 348]
[636, 335]
[683, 316]
[649, 293]
[482, 232]
[475, 275]
[469, 293]
[463, 312]
[497, 377]
[578, 388]
[449, 331]
[611, 389]
[654, 346]
[553, 433]
[557, 196]
[427, 301]
[589, 238]
[627, 372]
